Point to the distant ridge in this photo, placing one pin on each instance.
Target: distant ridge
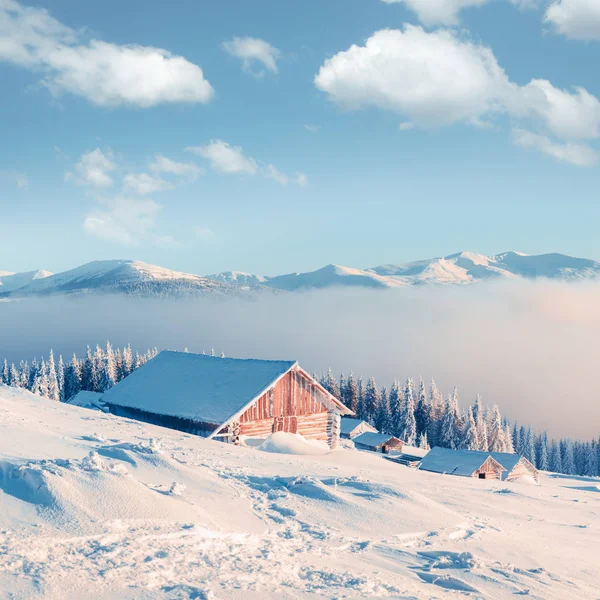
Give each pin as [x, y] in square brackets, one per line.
[133, 277]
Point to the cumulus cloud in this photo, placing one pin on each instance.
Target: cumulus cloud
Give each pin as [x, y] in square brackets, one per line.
[576, 19]
[93, 169]
[122, 219]
[441, 78]
[103, 73]
[254, 53]
[224, 158]
[232, 160]
[438, 12]
[406, 126]
[144, 183]
[580, 155]
[162, 164]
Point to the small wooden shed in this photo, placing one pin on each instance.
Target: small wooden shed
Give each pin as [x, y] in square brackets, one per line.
[378, 442]
[351, 427]
[517, 467]
[464, 463]
[225, 398]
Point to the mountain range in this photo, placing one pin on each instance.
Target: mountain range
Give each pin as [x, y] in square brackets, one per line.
[137, 278]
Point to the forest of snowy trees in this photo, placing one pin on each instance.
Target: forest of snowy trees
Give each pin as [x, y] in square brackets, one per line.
[418, 415]
[422, 417]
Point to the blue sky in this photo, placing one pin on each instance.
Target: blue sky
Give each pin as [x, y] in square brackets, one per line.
[279, 136]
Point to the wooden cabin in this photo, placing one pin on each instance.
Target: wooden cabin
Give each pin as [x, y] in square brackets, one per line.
[350, 427]
[517, 467]
[378, 442]
[463, 463]
[226, 398]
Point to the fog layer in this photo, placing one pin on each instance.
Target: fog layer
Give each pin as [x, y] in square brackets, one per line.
[533, 348]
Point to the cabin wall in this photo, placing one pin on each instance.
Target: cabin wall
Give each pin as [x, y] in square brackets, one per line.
[293, 405]
[522, 470]
[186, 425]
[489, 470]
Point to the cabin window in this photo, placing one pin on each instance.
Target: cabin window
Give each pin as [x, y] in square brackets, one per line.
[482, 476]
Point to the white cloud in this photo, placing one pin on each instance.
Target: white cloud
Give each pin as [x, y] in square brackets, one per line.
[433, 78]
[446, 12]
[440, 78]
[406, 126]
[103, 73]
[123, 219]
[576, 19]
[93, 169]
[301, 179]
[577, 154]
[162, 164]
[143, 183]
[17, 178]
[312, 128]
[272, 172]
[438, 12]
[254, 52]
[224, 158]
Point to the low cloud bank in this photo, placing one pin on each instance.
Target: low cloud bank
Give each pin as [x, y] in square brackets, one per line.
[530, 347]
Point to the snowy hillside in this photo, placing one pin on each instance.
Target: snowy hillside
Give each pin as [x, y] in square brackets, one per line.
[94, 506]
[123, 276]
[239, 278]
[9, 282]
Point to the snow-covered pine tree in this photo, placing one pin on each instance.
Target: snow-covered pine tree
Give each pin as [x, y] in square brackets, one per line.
[423, 410]
[40, 382]
[508, 439]
[496, 441]
[449, 434]
[14, 378]
[382, 417]
[361, 409]
[555, 460]
[24, 374]
[470, 438]
[529, 453]
[395, 418]
[352, 394]
[107, 376]
[568, 460]
[60, 375]
[423, 443]
[97, 368]
[590, 467]
[53, 390]
[481, 423]
[127, 360]
[72, 378]
[408, 424]
[437, 411]
[516, 439]
[330, 384]
[522, 445]
[371, 400]
[4, 373]
[543, 460]
[342, 388]
[86, 371]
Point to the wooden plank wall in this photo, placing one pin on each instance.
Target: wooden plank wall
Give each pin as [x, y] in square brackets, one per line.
[294, 403]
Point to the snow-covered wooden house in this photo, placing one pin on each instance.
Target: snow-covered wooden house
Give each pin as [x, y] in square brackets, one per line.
[377, 442]
[351, 427]
[517, 467]
[464, 463]
[225, 398]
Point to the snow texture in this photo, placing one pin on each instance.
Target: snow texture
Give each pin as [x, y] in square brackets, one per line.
[293, 443]
[88, 509]
[202, 388]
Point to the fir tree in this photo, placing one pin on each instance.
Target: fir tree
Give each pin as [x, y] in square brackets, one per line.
[361, 409]
[14, 378]
[371, 400]
[480, 424]
[330, 384]
[449, 434]
[127, 361]
[555, 460]
[423, 411]
[496, 441]
[522, 445]
[436, 404]
[423, 443]
[24, 375]
[529, 452]
[72, 378]
[568, 460]
[343, 389]
[470, 438]
[395, 404]
[352, 394]
[53, 390]
[508, 439]
[60, 375]
[590, 467]
[40, 382]
[4, 373]
[87, 377]
[543, 460]
[382, 417]
[408, 424]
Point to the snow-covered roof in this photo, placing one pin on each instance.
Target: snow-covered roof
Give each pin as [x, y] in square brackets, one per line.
[86, 399]
[510, 461]
[374, 440]
[194, 386]
[455, 462]
[349, 424]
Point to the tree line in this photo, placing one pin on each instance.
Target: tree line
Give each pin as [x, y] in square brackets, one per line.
[420, 416]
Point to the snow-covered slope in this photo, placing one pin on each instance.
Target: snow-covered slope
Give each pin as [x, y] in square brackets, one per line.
[95, 506]
[9, 282]
[331, 275]
[239, 278]
[123, 276]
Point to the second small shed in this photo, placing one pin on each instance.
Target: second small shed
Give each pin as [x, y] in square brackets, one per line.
[464, 463]
[378, 442]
